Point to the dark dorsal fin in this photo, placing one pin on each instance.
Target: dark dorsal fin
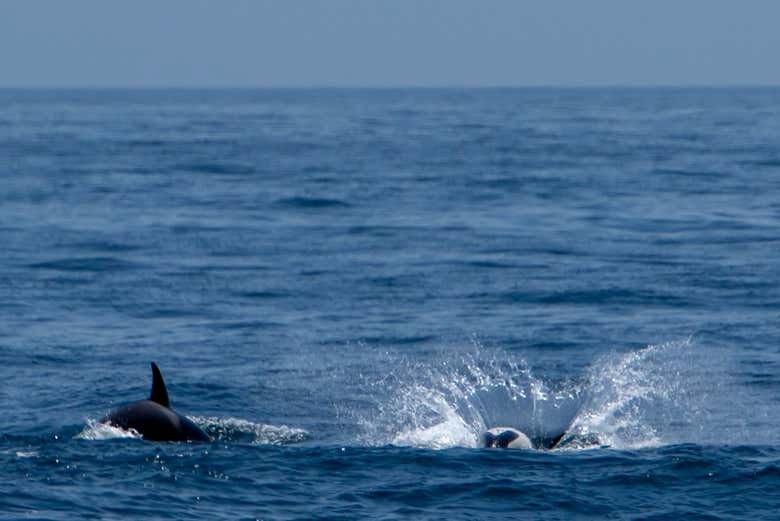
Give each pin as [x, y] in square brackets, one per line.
[555, 441]
[159, 392]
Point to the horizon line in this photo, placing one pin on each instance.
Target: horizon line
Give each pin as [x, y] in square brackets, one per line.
[398, 86]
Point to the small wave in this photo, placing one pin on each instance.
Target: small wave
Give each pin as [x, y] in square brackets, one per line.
[769, 163]
[86, 264]
[312, 202]
[219, 168]
[27, 454]
[596, 297]
[22, 454]
[260, 295]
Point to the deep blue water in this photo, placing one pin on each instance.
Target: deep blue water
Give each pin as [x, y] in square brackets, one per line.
[345, 287]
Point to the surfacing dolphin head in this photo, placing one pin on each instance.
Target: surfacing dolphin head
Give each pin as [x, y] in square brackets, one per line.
[511, 438]
[505, 438]
[153, 418]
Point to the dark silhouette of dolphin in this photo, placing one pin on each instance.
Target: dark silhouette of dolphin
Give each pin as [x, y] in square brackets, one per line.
[153, 418]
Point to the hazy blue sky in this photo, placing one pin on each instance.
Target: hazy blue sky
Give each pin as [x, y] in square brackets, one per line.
[400, 42]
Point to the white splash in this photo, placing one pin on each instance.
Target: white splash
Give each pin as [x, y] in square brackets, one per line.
[628, 395]
[238, 429]
[452, 431]
[451, 403]
[21, 453]
[623, 401]
[94, 430]
[26, 454]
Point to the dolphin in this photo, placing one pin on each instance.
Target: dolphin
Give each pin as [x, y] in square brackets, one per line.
[510, 438]
[153, 418]
[505, 438]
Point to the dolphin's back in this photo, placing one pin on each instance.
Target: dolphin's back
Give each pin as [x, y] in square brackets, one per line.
[154, 419]
[155, 422]
[505, 438]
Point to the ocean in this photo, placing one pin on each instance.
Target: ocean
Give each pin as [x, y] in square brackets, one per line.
[345, 287]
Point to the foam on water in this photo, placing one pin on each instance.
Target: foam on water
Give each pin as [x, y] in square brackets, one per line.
[21, 453]
[95, 430]
[238, 429]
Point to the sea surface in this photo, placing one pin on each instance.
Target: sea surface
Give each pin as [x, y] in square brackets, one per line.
[345, 288]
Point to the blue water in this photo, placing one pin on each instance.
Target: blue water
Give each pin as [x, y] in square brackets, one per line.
[344, 288]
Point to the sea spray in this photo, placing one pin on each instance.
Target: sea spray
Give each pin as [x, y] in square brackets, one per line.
[633, 398]
[623, 400]
[449, 403]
